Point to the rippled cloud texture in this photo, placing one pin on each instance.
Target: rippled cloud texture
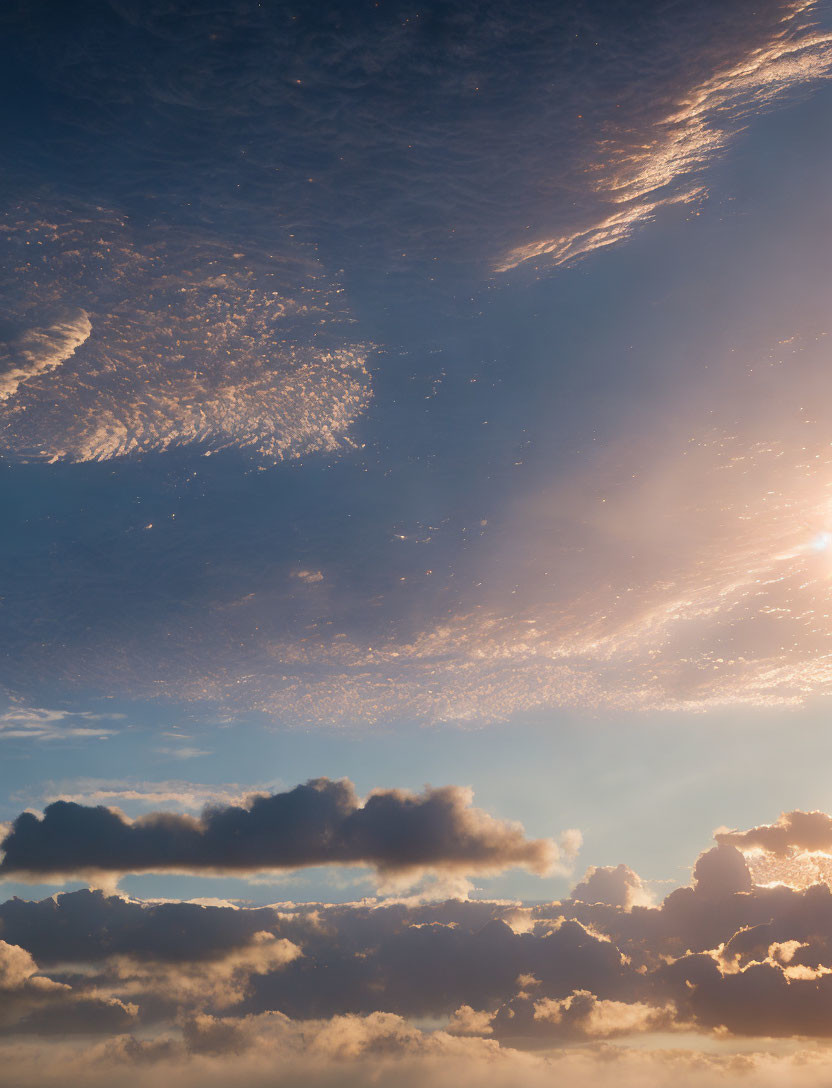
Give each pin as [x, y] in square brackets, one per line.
[205, 313]
[687, 571]
[133, 345]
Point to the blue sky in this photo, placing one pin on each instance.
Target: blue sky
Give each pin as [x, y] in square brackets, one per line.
[475, 413]
[416, 566]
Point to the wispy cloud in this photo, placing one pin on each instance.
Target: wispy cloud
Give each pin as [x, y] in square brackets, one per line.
[185, 752]
[638, 172]
[40, 724]
[39, 351]
[186, 795]
[677, 571]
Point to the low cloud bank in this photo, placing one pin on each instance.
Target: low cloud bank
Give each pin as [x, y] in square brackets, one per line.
[724, 957]
[386, 1051]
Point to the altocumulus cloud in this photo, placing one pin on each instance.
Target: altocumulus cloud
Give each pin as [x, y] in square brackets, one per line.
[320, 823]
[177, 340]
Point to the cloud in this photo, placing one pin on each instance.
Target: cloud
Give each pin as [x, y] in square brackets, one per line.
[41, 350]
[321, 823]
[467, 1021]
[41, 724]
[187, 796]
[685, 570]
[184, 753]
[89, 927]
[215, 983]
[796, 849]
[537, 91]
[148, 379]
[177, 340]
[583, 1014]
[722, 957]
[388, 1052]
[792, 832]
[31, 1003]
[617, 886]
[640, 172]
[308, 576]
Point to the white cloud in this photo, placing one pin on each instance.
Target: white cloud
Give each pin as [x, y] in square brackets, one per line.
[41, 724]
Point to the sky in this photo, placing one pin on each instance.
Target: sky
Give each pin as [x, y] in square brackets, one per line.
[416, 567]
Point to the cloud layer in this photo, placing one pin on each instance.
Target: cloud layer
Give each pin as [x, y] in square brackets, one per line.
[724, 957]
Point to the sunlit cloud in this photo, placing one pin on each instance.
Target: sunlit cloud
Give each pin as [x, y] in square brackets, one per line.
[40, 350]
[640, 172]
[173, 339]
[689, 572]
[796, 849]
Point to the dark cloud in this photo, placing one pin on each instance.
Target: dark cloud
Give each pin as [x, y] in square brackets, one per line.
[320, 823]
[87, 926]
[431, 968]
[722, 954]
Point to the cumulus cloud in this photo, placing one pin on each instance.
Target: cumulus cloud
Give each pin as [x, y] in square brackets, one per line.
[795, 849]
[467, 1021]
[215, 983]
[321, 823]
[723, 956]
[89, 927]
[582, 1013]
[616, 885]
[791, 832]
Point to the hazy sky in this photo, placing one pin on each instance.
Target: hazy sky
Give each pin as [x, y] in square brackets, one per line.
[435, 397]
